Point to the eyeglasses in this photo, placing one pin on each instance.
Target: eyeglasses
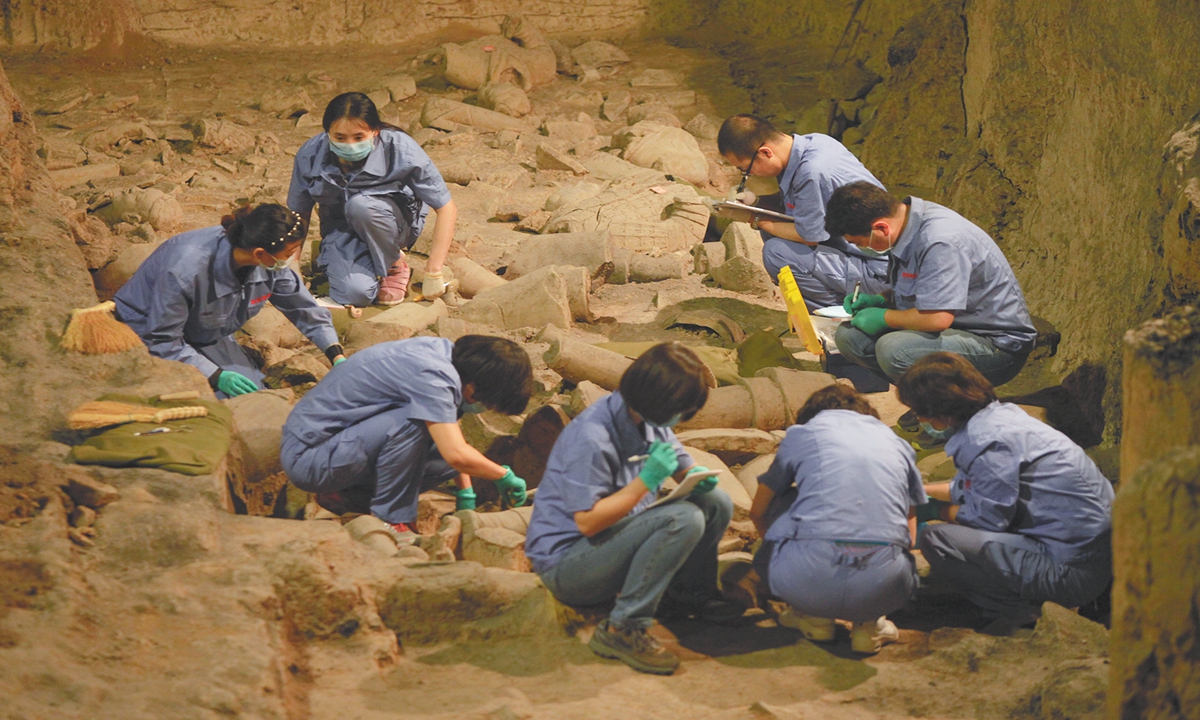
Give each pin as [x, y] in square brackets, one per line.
[746, 172]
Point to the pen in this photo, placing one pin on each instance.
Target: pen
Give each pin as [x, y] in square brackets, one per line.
[637, 458]
[854, 299]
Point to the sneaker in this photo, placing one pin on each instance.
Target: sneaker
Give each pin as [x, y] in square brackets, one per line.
[816, 629]
[908, 422]
[633, 646]
[869, 637]
[713, 609]
[393, 288]
[402, 534]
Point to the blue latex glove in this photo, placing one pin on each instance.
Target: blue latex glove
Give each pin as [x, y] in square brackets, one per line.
[871, 321]
[660, 465]
[864, 301]
[512, 486]
[339, 361]
[705, 485]
[464, 499]
[234, 384]
[931, 510]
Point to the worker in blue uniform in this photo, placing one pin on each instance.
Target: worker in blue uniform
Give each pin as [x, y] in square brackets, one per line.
[593, 536]
[837, 522]
[383, 425]
[951, 288]
[196, 289]
[1029, 515]
[809, 168]
[375, 186]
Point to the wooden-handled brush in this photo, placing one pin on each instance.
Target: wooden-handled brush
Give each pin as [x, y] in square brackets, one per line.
[95, 331]
[104, 413]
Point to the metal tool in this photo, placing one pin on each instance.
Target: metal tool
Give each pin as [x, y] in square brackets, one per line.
[636, 458]
[854, 298]
[163, 430]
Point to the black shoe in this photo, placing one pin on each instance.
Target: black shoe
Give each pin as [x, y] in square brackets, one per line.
[713, 609]
[908, 422]
[633, 646]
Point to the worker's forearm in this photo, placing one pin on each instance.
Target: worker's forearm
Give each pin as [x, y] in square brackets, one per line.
[467, 459]
[938, 491]
[443, 235]
[784, 230]
[610, 510]
[758, 508]
[921, 320]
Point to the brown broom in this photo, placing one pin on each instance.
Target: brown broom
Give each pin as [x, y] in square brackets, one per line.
[103, 413]
[95, 331]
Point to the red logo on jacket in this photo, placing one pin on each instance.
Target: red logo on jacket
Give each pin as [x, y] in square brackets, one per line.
[256, 301]
[910, 276]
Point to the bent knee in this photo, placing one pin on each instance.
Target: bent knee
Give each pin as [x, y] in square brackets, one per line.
[356, 289]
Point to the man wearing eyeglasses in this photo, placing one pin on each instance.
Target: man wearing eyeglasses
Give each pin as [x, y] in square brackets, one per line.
[809, 168]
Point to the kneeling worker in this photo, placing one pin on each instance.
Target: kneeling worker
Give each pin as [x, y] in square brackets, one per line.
[1030, 513]
[952, 289]
[809, 168]
[383, 425]
[594, 537]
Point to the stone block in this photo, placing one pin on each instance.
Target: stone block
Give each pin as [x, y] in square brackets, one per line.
[743, 275]
[253, 465]
[615, 105]
[726, 440]
[534, 300]
[702, 127]
[550, 158]
[582, 397]
[400, 86]
[273, 326]
[87, 491]
[581, 249]
[741, 240]
[726, 481]
[362, 335]
[112, 276]
[84, 174]
[412, 315]
[707, 256]
[748, 473]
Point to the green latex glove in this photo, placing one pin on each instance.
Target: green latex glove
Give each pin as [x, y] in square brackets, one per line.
[464, 499]
[339, 361]
[870, 320]
[661, 465]
[234, 384]
[931, 510]
[512, 486]
[705, 485]
[864, 301]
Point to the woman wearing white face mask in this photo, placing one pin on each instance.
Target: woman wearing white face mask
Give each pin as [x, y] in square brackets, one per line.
[375, 186]
[190, 296]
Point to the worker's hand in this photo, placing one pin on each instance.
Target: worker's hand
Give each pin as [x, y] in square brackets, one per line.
[660, 465]
[864, 301]
[234, 384]
[746, 197]
[704, 486]
[464, 499]
[434, 285]
[512, 486]
[871, 321]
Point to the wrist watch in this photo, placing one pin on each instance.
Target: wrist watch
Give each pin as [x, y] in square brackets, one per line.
[754, 222]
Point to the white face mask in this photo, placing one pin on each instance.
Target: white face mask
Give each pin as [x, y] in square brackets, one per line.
[874, 253]
[279, 265]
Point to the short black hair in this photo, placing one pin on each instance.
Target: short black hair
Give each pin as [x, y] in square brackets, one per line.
[834, 397]
[269, 226]
[667, 379]
[945, 385]
[352, 106]
[742, 135]
[499, 370]
[852, 208]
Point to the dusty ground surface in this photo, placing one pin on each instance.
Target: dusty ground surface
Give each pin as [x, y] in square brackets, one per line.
[178, 609]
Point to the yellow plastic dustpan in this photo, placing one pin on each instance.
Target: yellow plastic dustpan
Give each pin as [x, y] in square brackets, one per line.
[798, 318]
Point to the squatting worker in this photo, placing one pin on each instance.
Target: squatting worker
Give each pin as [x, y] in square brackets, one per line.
[592, 538]
[375, 186]
[837, 522]
[382, 427]
[951, 288]
[1029, 519]
[809, 168]
[196, 289]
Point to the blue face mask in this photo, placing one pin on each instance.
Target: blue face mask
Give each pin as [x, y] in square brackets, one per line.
[939, 435]
[471, 407]
[352, 152]
[670, 423]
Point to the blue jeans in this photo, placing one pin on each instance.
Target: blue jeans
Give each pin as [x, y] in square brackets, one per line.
[671, 548]
[354, 256]
[1007, 574]
[891, 355]
[825, 275]
[391, 456]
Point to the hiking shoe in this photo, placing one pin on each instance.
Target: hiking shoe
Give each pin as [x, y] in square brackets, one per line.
[870, 636]
[816, 629]
[393, 288]
[402, 533]
[908, 422]
[633, 646]
[713, 609]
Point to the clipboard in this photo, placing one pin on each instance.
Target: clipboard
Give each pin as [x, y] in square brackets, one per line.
[733, 206]
[684, 488]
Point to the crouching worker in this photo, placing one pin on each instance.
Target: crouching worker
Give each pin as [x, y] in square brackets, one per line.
[835, 514]
[592, 537]
[382, 427]
[193, 293]
[1030, 513]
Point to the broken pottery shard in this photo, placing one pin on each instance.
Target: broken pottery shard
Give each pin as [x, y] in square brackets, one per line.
[742, 275]
[438, 111]
[585, 394]
[414, 316]
[749, 473]
[549, 158]
[653, 77]
[223, 136]
[656, 112]
[577, 361]
[112, 276]
[726, 440]
[599, 55]
[505, 98]
[707, 256]
[253, 466]
[116, 132]
[89, 492]
[400, 86]
[534, 300]
[84, 174]
[727, 481]
[272, 325]
[473, 278]
[362, 335]
[287, 102]
[586, 249]
[702, 127]
[151, 205]
[670, 149]
[615, 104]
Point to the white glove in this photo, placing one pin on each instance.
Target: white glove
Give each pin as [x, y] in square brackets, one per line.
[746, 197]
[434, 285]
